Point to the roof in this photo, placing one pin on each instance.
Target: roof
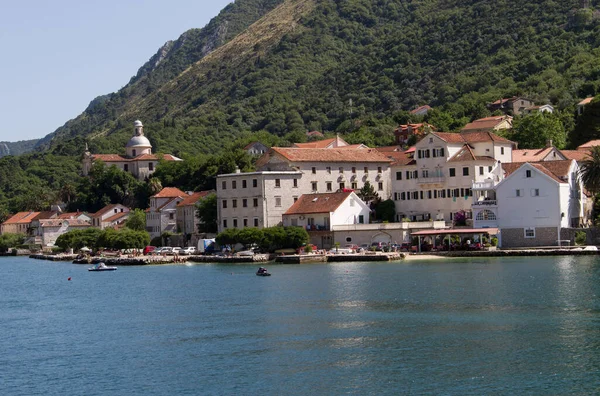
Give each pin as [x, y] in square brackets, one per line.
[491, 231]
[532, 155]
[22, 218]
[420, 108]
[45, 215]
[116, 217]
[314, 133]
[249, 145]
[141, 157]
[486, 123]
[168, 203]
[387, 149]
[589, 145]
[59, 222]
[585, 101]
[577, 155]
[110, 158]
[106, 209]
[71, 215]
[466, 154]
[149, 157]
[504, 100]
[169, 192]
[318, 203]
[330, 155]
[557, 170]
[194, 198]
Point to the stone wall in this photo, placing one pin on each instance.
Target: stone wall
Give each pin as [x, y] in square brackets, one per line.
[515, 237]
[593, 235]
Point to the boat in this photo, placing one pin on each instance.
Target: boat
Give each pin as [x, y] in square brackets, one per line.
[102, 267]
[262, 272]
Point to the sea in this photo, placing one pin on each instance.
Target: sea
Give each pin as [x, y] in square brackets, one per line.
[493, 326]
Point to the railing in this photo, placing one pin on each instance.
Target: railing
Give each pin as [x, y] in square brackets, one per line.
[431, 180]
[486, 185]
[489, 202]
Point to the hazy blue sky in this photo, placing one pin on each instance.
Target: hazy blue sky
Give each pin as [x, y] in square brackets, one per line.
[56, 56]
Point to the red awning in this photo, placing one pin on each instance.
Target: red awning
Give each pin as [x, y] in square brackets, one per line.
[491, 231]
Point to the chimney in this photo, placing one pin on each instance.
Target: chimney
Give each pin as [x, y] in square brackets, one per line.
[237, 169]
[549, 143]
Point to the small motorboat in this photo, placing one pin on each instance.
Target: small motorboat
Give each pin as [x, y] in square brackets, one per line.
[102, 267]
[262, 272]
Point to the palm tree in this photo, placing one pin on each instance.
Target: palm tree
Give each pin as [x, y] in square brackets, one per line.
[590, 171]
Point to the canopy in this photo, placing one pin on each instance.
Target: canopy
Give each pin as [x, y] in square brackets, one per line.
[446, 231]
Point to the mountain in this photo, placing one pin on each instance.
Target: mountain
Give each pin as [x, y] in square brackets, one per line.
[17, 148]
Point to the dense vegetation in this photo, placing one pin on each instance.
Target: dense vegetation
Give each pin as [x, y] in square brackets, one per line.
[95, 239]
[267, 239]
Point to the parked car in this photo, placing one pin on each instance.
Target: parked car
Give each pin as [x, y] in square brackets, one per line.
[341, 250]
[164, 250]
[188, 251]
[149, 249]
[353, 247]
[405, 247]
[174, 251]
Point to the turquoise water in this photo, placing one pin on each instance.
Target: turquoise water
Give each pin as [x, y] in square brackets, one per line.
[493, 326]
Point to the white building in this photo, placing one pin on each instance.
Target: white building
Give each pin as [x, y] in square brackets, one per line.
[531, 203]
[434, 180]
[259, 199]
[187, 218]
[110, 216]
[50, 229]
[161, 216]
[139, 160]
[318, 213]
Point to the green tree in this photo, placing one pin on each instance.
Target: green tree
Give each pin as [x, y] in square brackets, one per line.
[8, 241]
[367, 193]
[590, 171]
[386, 210]
[207, 213]
[136, 220]
[535, 130]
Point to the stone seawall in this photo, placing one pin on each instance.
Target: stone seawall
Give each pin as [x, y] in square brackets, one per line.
[520, 252]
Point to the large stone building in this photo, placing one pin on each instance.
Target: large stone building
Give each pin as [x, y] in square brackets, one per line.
[138, 160]
[161, 216]
[259, 199]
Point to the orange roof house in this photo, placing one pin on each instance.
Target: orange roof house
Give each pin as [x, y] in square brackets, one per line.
[489, 124]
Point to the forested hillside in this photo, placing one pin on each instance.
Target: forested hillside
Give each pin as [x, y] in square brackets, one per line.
[354, 67]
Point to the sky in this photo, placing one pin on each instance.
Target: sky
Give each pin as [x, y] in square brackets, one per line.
[56, 56]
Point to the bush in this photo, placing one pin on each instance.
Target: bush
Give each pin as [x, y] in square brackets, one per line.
[494, 241]
[580, 238]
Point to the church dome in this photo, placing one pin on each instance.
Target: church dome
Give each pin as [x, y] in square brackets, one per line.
[137, 123]
[139, 141]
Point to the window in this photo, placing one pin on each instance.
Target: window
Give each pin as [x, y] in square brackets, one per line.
[151, 166]
[380, 186]
[277, 183]
[233, 184]
[244, 203]
[223, 185]
[366, 169]
[314, 170]
[294, 222]
[529, 232]
[485, 215]
[354, 169]
[415, 174]
[225, 223]
[126, 168]
[502, 150]
[535, 192]
[314, 186]
[234, 203]
[255, 222]
[489, 168]
[255, 202]
[528, 173]
[295, 183]
[379, 170]
[328, 184]
[430, 140]
[341, 169]
[354, 186]
[420, 194]
[254, 183]
[519, 193]
[429, 194]
[342, 186]
[278, 202]
[245, 222]
[328, 169]
[466, 171]
[234, 223]
[452, 172]
[408, 173]
[481, 170]
[361, 219]
[133, 152]
[398, 175]
[295, 199]
[425, 173]
[403, 196]
[244, 184]
[224, 204]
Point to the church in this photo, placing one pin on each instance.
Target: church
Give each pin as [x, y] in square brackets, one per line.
[139, 160]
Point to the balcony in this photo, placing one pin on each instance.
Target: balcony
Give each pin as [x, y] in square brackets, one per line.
[487, 202]
[431, 180]
[485, 185]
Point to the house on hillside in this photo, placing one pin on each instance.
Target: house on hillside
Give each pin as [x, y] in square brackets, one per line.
[511, 106]
[489, 124]
[19, 223]
[314, 135]
[139, 160]
[421, 110]
[50, 229]
[256, 148]
[548, 153]
[161, 216]
[319, 212]
[110, 216]
[581, 105]
[187, 218]
[546, 108]
[404, 132]
[531, 203]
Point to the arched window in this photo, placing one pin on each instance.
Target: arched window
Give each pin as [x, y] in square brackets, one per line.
[486, 215]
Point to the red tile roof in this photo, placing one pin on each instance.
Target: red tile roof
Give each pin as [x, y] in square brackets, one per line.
[318, 203]
[589, 145]
[59, 222]
[314, 133]
[69, 215]
[155, 157]
[316, 144]
[22, 218]
[471, 137]
[110, 158]
[329, 155]
[116, 217]
[577, 155]
[191, 200]
[535, 155]
[106, 209]
[420, 108]
[466, 154]
[488, 123]
[585, 101]
[169, 192]
[387, 149]
[557, 170]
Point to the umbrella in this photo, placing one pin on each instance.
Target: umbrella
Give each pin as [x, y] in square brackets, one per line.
[85, 249]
